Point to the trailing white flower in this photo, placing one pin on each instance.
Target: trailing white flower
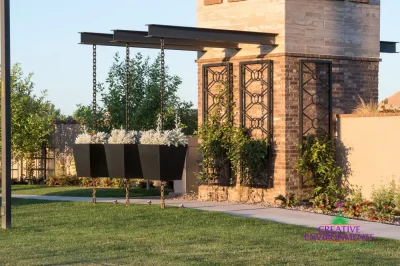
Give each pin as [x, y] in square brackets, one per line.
[84, 138]
[121, 136]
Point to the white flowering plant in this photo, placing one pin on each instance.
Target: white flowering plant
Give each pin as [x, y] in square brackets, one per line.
[173, 137]
[121, 136]
[95, 138]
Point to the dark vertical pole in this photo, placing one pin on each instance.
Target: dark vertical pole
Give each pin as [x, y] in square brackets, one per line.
[45, 161]
[5, 115]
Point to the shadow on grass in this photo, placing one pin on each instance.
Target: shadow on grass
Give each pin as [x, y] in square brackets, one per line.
[82, 191]
[21, 202]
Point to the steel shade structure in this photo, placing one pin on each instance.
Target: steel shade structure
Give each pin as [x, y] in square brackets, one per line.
[143, 37]
[179, 38]
[213, 35]
[388, 47]
[105, 39]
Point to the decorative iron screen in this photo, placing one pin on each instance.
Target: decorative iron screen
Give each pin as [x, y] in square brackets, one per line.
[256, 109]
[315, 99]
[217, 91]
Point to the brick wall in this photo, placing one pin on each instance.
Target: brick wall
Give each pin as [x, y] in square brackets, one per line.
[351, 77]
[344, 32]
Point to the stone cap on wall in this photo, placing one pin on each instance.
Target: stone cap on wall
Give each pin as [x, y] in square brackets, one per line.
[367, 115]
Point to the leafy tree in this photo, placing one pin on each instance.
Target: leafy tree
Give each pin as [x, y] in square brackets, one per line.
[144, 98]
[31, 116]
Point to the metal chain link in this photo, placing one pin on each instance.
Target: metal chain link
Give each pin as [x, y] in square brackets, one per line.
[94, 107]
[127, 92]
[127, 192]
[162, 83]
[162, 194]
[94, 200]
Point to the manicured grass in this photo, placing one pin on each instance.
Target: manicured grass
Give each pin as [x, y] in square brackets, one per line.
[71, 233]
[80, 191]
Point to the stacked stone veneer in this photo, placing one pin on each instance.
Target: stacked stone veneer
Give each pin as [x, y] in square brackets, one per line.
[343, 32]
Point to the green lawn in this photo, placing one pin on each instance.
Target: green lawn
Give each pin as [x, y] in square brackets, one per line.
[70, 233]
[80, 192]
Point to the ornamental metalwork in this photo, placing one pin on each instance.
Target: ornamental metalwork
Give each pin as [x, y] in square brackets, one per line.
[256, 110]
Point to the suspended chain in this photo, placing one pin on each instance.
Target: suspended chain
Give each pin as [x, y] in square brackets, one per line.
[127, 92]
[162, 87]
[94, 125]
[162, 194]
[94, 191]
[94, 106]
[162, 84]
[127, 191]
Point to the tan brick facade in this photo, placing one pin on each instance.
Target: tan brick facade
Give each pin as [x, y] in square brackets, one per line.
[352, 76]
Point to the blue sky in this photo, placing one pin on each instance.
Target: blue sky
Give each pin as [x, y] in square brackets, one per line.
[45, 38]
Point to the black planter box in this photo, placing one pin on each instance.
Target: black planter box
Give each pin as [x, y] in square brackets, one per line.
[162, 162]
[90, 160]
[123, 160]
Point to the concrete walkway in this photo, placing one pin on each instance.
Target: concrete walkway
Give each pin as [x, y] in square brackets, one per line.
[254, 211]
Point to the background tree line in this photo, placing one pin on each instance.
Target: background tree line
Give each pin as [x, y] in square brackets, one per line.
[32, 115]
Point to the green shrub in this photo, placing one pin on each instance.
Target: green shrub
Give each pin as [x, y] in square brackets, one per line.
[357, 206]
[287, 201]
[323, 203]
[318, 165]
[387, 201]
[224, 145]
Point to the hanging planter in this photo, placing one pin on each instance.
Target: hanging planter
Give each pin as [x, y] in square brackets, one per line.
[122, 155]
[163, 154]
[162, 162]
[90, 156]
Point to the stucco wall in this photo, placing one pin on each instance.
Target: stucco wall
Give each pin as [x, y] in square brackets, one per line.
[374, 149]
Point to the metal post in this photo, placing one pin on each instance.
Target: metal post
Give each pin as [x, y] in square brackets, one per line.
[5, 115]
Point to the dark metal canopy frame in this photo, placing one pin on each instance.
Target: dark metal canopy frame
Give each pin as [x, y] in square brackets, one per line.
[170, 38]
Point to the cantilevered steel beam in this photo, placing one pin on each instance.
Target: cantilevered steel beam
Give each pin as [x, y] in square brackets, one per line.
[388, 47]
[108, 40]
[142, 37]
[212, 35]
